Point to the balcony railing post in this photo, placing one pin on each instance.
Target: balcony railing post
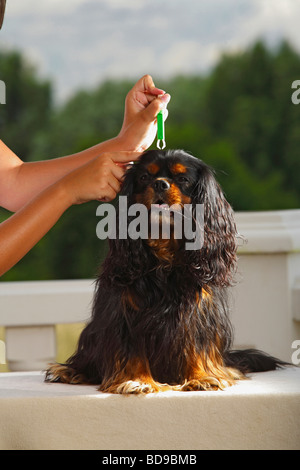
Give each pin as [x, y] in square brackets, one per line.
[30, 348]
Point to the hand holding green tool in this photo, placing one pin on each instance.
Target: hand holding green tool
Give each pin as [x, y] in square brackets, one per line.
[161, 143]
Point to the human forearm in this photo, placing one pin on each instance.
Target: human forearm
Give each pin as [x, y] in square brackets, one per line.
[31, 178]
[23, 230]
[99, 179]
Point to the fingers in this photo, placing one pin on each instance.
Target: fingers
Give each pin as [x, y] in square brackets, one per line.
[146, 86]
[109, 188]
[142, 95]
[125, 156]
[114, 184]
[110, 195]
[163, 97]
[118, 170]
[99, 179]
[116, 163]
[149, 114]
[142, 104]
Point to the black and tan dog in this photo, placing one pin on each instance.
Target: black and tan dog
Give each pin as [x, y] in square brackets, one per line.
[160, 316]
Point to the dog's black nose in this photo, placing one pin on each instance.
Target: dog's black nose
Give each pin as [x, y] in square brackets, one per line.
[161, 185]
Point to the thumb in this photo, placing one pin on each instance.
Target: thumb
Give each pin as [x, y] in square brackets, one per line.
[125, 156]
[151, 111]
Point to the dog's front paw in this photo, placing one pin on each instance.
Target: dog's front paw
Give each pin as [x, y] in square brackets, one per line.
[135, 387]
[63, 373]
[204, 384]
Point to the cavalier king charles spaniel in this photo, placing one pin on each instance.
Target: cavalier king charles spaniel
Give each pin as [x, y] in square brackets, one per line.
[160, 316]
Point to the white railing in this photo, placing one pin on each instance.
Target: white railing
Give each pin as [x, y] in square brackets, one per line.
[29, 312]
[265, 301]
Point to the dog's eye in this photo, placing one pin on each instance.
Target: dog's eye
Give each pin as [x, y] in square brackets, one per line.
[144, 177]
[182, 179]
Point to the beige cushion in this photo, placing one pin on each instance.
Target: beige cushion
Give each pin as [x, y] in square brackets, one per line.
[260, 413]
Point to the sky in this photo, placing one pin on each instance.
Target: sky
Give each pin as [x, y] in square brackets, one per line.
[80, 43]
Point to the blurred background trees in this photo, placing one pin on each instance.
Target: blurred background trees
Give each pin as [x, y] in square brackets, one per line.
[239, 119]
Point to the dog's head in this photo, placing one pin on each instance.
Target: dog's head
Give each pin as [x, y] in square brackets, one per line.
[163, 179]
[174, 178]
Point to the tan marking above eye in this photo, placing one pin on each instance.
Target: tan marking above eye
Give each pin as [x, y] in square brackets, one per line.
[178, 168]
[153, 168]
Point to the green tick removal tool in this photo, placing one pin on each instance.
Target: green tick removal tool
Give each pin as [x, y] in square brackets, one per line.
[160, 131]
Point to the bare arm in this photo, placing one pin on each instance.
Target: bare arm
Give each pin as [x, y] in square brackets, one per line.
[24, 229]
[40, 192]
[20, 182]
[99, 179]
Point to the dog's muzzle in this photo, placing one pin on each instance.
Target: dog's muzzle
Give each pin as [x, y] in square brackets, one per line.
[160, 185]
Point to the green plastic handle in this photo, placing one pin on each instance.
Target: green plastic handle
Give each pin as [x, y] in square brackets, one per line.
[160, 131]
[160, 126]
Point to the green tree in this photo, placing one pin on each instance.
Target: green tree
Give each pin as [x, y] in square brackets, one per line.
[249, 102]
[28, 103]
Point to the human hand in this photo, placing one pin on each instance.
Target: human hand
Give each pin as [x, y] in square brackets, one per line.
[100, 179]
[143, 102]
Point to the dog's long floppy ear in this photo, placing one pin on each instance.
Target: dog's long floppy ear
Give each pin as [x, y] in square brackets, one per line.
[128, 183]
[127, 257]
[217, 257]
